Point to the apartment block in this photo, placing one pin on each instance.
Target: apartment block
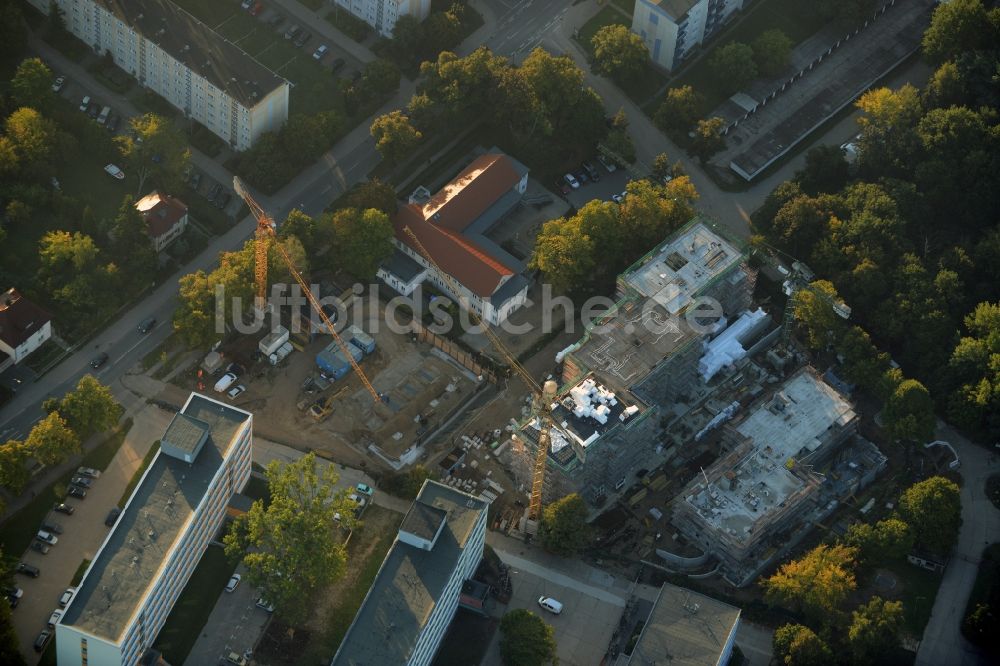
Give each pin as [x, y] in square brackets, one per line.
[410, 604]
[672, 28]
[383, 14]
[147, 558]
[172, 53]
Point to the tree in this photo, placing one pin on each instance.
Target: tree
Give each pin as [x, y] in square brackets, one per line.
[733, 65]
[564, 528]
[909, 413]
[33, 138]
[525, 640]
[959, 26]
[363, 240]
[14, 474]
[889, 539]
[814, 311]
[826, 170]
[798, 645]
[395, 137]
[771, 51]
[290, 547]
[680, 109]
[10, 646]
[154, 148]
[889, 142]
[407, 37]
[406, 484]
[817, 583]
[32, 85]
[565, 254]
[131, 246]
[619, 141]
[933, 510]
[863, 363]
[51, 440]
[372, 193]
[13, 35]
[380, 77]
[619, 52]
[90, 408]
[302, 226]
[707, 139]
[975, 371]
[874, 630]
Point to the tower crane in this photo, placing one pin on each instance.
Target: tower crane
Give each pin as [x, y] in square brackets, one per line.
[542, 396]
[264, 234]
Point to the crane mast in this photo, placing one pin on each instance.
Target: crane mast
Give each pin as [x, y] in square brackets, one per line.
[542, 397]
[264, 234]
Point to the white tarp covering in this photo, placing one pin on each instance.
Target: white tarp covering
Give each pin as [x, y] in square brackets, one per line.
[727, 348]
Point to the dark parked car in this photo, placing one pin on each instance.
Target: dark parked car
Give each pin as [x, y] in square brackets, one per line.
[99, 360]
[94, 110]
[236, 369]
[146, 325]
[28, 570]
[223, 201]
[337, 65]
[112, 517]
[81, 481]
[77, 492]
[112, 124]
[301, 40]
[581, 176]
[40, 547]
[563, 186]
[214, 192]
[50, 526]
[42, 641]
[592, 171]
[195, 180]
[64, 508]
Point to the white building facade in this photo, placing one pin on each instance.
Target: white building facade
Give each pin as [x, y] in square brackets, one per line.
[184, 61]
[148, 557]
[672, 28]
[383, 14]
[24, 327]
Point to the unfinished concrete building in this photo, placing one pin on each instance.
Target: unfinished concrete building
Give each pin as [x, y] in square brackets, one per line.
[641, 354]
[779, 474]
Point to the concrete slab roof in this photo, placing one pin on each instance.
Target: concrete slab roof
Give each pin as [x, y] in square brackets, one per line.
[685, 628]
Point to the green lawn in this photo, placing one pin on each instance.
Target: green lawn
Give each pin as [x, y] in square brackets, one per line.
[314, 88]
[920, 589]
[627, 6]
[87, 181]
[17, 531]
[194, 605]
[134, 481]
[793, 17]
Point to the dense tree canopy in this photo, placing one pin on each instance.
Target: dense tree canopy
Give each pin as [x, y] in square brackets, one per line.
[395, 136]
[958, 26]
[909, 413]
[619, 52]
[817, 583]
[88, 409]
[291, 547]
[733, 65]
[933, 509]
[680, 109]
[771, 51]
[51, 440]
[32, 85]
[154, 148]
[363, 240]
[707, 139]
[526, 640]
[874, 630]
[889, 539]
[975, 371]
[798, 645]
[564, 528]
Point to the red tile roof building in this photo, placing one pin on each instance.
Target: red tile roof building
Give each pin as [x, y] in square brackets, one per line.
[452, 225]
[24, 327]
[166, 218]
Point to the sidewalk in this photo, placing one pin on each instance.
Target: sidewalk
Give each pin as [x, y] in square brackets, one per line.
[317, 22]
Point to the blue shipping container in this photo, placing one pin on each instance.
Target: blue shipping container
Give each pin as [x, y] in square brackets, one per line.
[333, 362]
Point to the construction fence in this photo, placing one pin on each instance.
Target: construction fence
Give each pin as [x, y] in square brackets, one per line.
[452, 349]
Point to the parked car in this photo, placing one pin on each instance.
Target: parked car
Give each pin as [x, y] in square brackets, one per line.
[257, 9]
[39, 547]
[337, 65]
[55, 617]
[572, 181]
[99, 360]
[320, 52]
[85, 103]
[365, 489]
[112, 517]
[618, 198]
[89, 472]
[608, 165]
[53, 527]
[301, 40]
[58, 84]
[47, 537]
[550, 604]
[64, 508]
[357, 499]
[581, 176]
[42, 640]
[214, 192]
[592, 171]
[94, 111]
[236, 369]
[67, 597]
[292, 32]
[234, 581]
[225, 382]
[81, 481]
[77, 492]
[563, 187]
[266, 605]
[28, 570]
[237, 659]
[223, 200]
[13, 592]
[114, 171]
[236, 391]
[146, 325]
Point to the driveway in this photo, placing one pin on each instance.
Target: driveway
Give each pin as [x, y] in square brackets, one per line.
[943, 642]
[235, 625]
[83, 532]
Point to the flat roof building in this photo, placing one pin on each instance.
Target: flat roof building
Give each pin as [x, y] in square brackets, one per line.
[408, 608]
[127, 592]
[194, 68]
[768, 486]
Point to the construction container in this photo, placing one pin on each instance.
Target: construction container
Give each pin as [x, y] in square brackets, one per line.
[212, 362]
[360, 339]
[332, 361]
[271, 342]
[281, 353]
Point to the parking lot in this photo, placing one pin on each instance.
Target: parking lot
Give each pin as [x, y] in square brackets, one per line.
[234, 625]
[608, 185]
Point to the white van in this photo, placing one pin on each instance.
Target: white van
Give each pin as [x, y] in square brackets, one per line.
[224, 383]
[550, 604]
